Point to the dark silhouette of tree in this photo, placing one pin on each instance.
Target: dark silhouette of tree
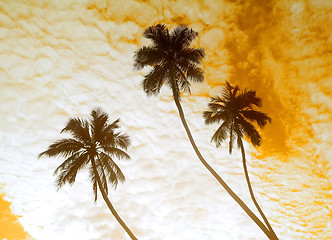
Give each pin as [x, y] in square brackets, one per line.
[235, 110]
[94, 145]
[174, 63]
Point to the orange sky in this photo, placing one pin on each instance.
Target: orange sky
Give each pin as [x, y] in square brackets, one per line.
[278, 48]
[10, 227]
[281, 49]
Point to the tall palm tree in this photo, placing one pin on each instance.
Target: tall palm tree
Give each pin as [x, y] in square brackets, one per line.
[174, 63]
[93, 145]
[235, 110]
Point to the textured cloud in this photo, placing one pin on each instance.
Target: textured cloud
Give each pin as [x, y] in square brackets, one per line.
[281, 49]
[60, 59]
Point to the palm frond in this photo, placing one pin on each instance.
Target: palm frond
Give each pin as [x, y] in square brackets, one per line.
[195, 73]
[173, 62]
[154, 80]
[112, 170]
[211, 116]
[180, 78]
[235, 109]
[221, 133]
[217, 104]
[182, 37]
[98, 114]
[63, 147]
[191, 55]
[94, 182]
[226, 92]
[182, 83]
[70, 161]
[103, 132]
[249, 131]
[116, 152]
[114, 125]
[159, 34]
[78, 128]
[249, 98]
[109, 133]
[121, 140]
[235, 90]
[259, 117]
[148, 56]
[89, 139]
[231, 137]
[69, 171]
[98, 124]
[101, 173]
[106, 136]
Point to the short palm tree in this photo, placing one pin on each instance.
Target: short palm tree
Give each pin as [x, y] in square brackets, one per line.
[235, 110]
[174, 63]
[93, 145]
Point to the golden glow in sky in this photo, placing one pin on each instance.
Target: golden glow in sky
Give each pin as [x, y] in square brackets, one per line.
[282, 49]
[9, 225]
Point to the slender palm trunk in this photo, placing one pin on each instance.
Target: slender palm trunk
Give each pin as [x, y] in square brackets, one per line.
[251, 191]
[109, 204]
[231, 139]
[216, 176]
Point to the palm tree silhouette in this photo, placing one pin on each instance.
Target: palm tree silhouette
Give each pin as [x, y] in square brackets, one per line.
[234, 110]
[96, 142]
[173, 63]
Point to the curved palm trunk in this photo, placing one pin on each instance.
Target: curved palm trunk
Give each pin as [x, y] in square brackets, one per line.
[251, 191]
[109, 204]
[216, 176]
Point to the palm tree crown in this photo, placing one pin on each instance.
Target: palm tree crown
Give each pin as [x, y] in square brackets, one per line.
[95, 140]
[234, 110]
[172, 59]
[175, 63]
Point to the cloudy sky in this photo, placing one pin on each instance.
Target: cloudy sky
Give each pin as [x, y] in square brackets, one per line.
[60, 59]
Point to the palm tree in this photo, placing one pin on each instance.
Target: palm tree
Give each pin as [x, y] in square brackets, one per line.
[93, 145]
[235, 110]
[174, 63]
